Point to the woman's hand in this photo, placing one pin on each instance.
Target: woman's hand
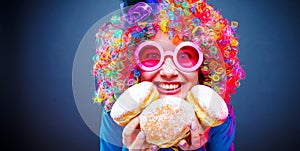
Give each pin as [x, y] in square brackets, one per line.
[198, 137]
[134, 139]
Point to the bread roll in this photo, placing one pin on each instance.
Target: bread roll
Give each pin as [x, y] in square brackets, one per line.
[210, 107]
[166, 121]
[132, 101]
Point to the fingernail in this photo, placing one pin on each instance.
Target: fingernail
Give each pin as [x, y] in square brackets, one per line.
[193, 126]
[153, 148]
[182, 144]
[142, 135]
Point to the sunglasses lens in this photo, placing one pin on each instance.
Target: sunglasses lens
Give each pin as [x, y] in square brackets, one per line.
[149, 56]
[188, 56]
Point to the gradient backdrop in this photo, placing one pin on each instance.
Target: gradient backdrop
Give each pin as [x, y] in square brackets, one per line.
[39, 39]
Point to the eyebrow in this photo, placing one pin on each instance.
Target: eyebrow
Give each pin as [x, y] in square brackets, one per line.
[166, 45]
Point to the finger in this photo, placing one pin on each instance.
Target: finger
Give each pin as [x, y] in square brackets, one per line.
[183, 145]
[153, 148]
[149, 147]
[128, 131]
[206, 134]
[203, 139]
[139, 141]
[204, 129]
[201, 129]
[195, 137]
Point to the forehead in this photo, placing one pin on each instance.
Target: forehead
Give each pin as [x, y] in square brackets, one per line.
[164, 41]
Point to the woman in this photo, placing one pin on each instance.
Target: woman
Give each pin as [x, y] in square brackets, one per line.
[175, 45]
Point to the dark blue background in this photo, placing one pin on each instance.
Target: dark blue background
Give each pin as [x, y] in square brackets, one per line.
[39, 41]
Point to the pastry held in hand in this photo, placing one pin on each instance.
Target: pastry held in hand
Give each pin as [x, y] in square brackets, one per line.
[132, 101]
[210, 107]
[166, 121]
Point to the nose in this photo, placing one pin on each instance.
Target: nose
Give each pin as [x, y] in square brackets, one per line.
[168, 69]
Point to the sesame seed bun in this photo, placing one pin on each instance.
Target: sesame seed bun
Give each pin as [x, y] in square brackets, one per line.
[210, 107]
[132, 101]
[166, 121]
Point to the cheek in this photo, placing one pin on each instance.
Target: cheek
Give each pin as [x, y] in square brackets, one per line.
[193, 78]
[147, 76]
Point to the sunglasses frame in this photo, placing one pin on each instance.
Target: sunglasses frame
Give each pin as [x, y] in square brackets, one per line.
[164, 54]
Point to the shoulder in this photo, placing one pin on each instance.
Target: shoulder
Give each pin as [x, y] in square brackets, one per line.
[110, 133]
[222, 136]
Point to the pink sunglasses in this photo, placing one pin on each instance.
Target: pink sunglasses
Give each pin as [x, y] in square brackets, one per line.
[186, 56]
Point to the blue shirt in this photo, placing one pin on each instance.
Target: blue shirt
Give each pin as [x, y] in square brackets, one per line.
[220, 137]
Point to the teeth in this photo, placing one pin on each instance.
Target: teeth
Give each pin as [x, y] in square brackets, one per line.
[168, 86]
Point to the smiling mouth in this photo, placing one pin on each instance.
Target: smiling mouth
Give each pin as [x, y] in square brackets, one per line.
[168, 86]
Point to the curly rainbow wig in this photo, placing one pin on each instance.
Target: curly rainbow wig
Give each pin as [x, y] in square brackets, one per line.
[115, 67]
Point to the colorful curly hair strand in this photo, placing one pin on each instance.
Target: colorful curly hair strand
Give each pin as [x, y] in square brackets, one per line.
[115, 67]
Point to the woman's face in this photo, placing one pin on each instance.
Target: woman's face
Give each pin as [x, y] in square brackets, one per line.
[168, 79]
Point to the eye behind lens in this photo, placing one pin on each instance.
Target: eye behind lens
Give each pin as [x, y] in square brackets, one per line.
[187, 56]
